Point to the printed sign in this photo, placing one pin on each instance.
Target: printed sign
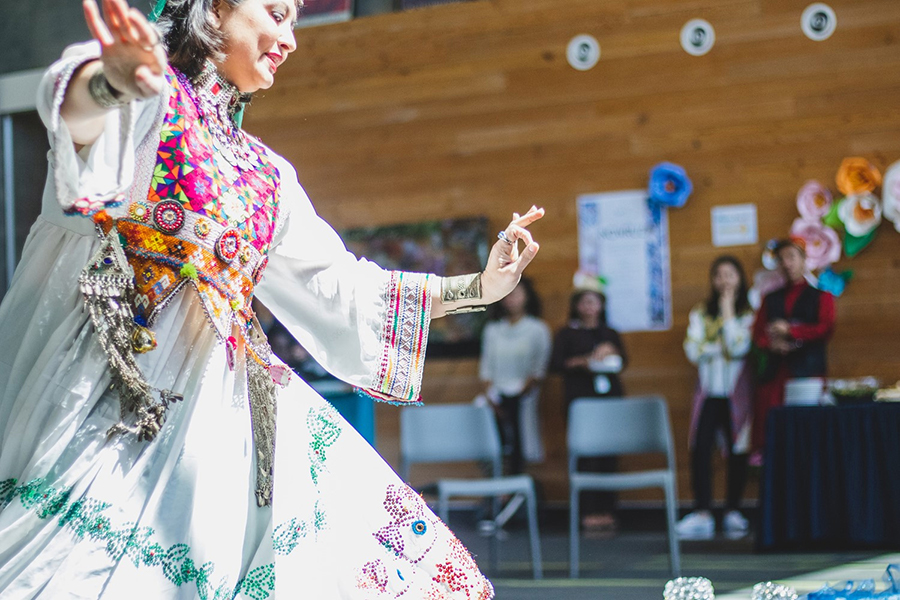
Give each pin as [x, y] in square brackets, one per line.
[734, 225]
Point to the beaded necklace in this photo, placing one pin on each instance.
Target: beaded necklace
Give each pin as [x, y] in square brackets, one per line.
[219, 101]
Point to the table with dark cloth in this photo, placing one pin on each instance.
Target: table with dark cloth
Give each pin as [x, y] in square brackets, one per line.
[831, 478]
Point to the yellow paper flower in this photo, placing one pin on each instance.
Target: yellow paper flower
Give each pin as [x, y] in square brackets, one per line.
[857, 176]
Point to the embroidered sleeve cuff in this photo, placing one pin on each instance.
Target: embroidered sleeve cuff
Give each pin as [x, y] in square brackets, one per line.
[404, 337]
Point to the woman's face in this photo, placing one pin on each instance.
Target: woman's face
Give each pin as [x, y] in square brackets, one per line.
[726, 278]
[792, 263]
[258, 36]
[589, 306]
[515, 301]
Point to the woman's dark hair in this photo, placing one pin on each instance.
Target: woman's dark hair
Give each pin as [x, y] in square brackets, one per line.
[532, 302]
[741, 300]
[576, 297]
[189, 35]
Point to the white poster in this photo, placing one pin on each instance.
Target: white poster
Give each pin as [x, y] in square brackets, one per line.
[734, 225]
[626, 241]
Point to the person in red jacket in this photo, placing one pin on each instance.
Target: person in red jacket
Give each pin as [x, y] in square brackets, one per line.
[791, 331]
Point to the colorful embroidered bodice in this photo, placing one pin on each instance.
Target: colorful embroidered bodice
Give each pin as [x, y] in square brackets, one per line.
[211, 210]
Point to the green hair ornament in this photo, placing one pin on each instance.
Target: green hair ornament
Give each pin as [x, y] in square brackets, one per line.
[157, 11]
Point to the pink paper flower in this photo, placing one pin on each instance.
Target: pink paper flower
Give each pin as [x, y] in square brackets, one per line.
[860, 214]
[823, 246]
[813, 200]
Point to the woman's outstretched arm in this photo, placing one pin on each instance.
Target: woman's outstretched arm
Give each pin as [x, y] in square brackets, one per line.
[132, 65]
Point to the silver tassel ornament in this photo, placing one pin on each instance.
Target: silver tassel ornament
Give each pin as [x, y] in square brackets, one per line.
[263, 410]
[107, 283]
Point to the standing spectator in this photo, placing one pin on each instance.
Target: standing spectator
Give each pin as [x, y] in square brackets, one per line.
[791, 331]
[514, 356]
[717, 342]
[589, 355]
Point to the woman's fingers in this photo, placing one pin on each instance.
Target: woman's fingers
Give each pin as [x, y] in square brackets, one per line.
[526, 257]
[147, 81]
[516, 232]
[112, 20]
[95, 23]
[533, 214]
[145, 35]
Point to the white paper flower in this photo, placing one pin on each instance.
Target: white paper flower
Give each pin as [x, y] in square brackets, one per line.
[891, 194]
[860, 214]
[823, 246]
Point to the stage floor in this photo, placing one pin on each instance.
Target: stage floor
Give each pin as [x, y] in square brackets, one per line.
[633, 565]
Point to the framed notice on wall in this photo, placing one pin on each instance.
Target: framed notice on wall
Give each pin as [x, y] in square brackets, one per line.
[320, 12]
[625, 240]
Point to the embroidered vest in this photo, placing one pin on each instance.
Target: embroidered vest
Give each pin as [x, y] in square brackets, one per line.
[208, 219]
[205, 221]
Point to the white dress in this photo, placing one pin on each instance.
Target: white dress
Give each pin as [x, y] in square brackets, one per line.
[84, 516]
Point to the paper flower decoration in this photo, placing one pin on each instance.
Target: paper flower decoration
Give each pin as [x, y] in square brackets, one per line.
[584, 281]
[857, 176]
[813, 200]
[768, 255]
[832, 282]
[669, 185]
[860, 214]
[891, 194]
[823, 246]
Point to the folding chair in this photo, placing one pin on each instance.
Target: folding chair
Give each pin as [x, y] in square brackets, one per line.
[610, 427]
[464, 432]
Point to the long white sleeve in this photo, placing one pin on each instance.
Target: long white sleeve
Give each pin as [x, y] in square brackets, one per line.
[366, 325]
[99, 175]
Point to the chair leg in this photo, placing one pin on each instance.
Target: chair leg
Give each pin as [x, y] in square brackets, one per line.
[537, 563]
[671, 517]
[443, 505]
[573, 533]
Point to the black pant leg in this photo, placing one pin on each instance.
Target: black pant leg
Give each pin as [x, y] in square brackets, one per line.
[510, 425]
[737, 479]
[714, 414]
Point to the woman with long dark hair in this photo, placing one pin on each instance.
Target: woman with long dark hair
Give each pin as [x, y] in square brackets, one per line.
[717, 342]
[590, 355]
[515, 350]
[151, 446]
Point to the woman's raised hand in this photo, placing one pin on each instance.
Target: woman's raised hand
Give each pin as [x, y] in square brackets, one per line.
[134, 60]
[505, 264]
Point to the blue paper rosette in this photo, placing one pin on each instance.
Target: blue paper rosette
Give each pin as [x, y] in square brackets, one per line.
[669, 185]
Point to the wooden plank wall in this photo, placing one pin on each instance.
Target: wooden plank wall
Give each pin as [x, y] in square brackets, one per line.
[471, 109]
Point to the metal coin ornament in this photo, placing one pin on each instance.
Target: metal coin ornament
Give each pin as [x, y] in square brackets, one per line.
[142, 340]
[818, 22]
[689, 588]
[583, 52]
[697, 37]
[772, 591]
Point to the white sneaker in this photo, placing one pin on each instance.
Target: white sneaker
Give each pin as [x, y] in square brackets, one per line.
[698, 525]
[735, 524]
